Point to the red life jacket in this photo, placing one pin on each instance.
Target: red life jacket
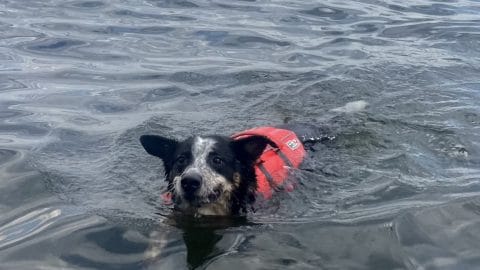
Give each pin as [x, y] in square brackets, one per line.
[285, 151]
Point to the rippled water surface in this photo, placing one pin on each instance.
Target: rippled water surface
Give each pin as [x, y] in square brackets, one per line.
[398, 187]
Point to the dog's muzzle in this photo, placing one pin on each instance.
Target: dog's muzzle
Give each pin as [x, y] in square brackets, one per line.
[190, 184]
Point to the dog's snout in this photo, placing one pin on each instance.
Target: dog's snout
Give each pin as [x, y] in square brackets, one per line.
[191, 183]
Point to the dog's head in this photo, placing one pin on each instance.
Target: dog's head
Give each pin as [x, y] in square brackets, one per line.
[211, 175]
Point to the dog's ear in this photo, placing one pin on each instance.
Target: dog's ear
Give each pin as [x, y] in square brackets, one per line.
[249, 149]
[161, 147]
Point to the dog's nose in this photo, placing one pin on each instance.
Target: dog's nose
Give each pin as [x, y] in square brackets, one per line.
[191, 183]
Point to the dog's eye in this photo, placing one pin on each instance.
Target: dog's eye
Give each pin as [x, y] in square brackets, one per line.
[217, 161]
[181, 160]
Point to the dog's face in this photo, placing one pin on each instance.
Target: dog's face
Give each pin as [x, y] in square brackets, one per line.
[211, 175]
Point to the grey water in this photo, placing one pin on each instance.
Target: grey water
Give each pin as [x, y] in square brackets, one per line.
[397, 186]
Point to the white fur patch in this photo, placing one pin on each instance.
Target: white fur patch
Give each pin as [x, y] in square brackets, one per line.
[211, 181]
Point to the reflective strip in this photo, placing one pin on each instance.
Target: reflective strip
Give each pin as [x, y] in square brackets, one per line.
[267, 175]
[284, 158]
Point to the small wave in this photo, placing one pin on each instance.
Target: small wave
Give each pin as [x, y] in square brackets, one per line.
[352, 107]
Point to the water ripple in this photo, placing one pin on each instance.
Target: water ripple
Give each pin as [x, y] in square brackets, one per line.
[156, 16]
[174, 4]
[328, 12]
[28, 225]
[396, 186]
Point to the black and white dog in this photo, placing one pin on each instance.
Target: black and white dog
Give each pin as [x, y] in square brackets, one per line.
[216, 175]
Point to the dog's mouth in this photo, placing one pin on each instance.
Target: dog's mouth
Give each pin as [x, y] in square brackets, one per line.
[198, 201]
[213, 203]
[213, 197]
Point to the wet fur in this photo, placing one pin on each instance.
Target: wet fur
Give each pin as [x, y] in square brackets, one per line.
[226, 188]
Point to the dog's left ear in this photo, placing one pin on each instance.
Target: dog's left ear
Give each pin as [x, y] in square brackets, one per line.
[159, 146]
[249, 149]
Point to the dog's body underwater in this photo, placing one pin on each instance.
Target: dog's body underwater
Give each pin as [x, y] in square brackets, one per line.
[221, 175]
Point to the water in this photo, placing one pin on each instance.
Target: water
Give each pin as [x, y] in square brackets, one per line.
[80, 81]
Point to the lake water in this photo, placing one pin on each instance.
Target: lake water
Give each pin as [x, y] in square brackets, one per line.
[397, 187]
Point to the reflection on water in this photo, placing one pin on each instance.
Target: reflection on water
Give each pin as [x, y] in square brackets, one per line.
[27, 225]
[203, 241]
[396, 188]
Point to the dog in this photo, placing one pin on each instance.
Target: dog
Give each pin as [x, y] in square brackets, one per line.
[219, 175]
